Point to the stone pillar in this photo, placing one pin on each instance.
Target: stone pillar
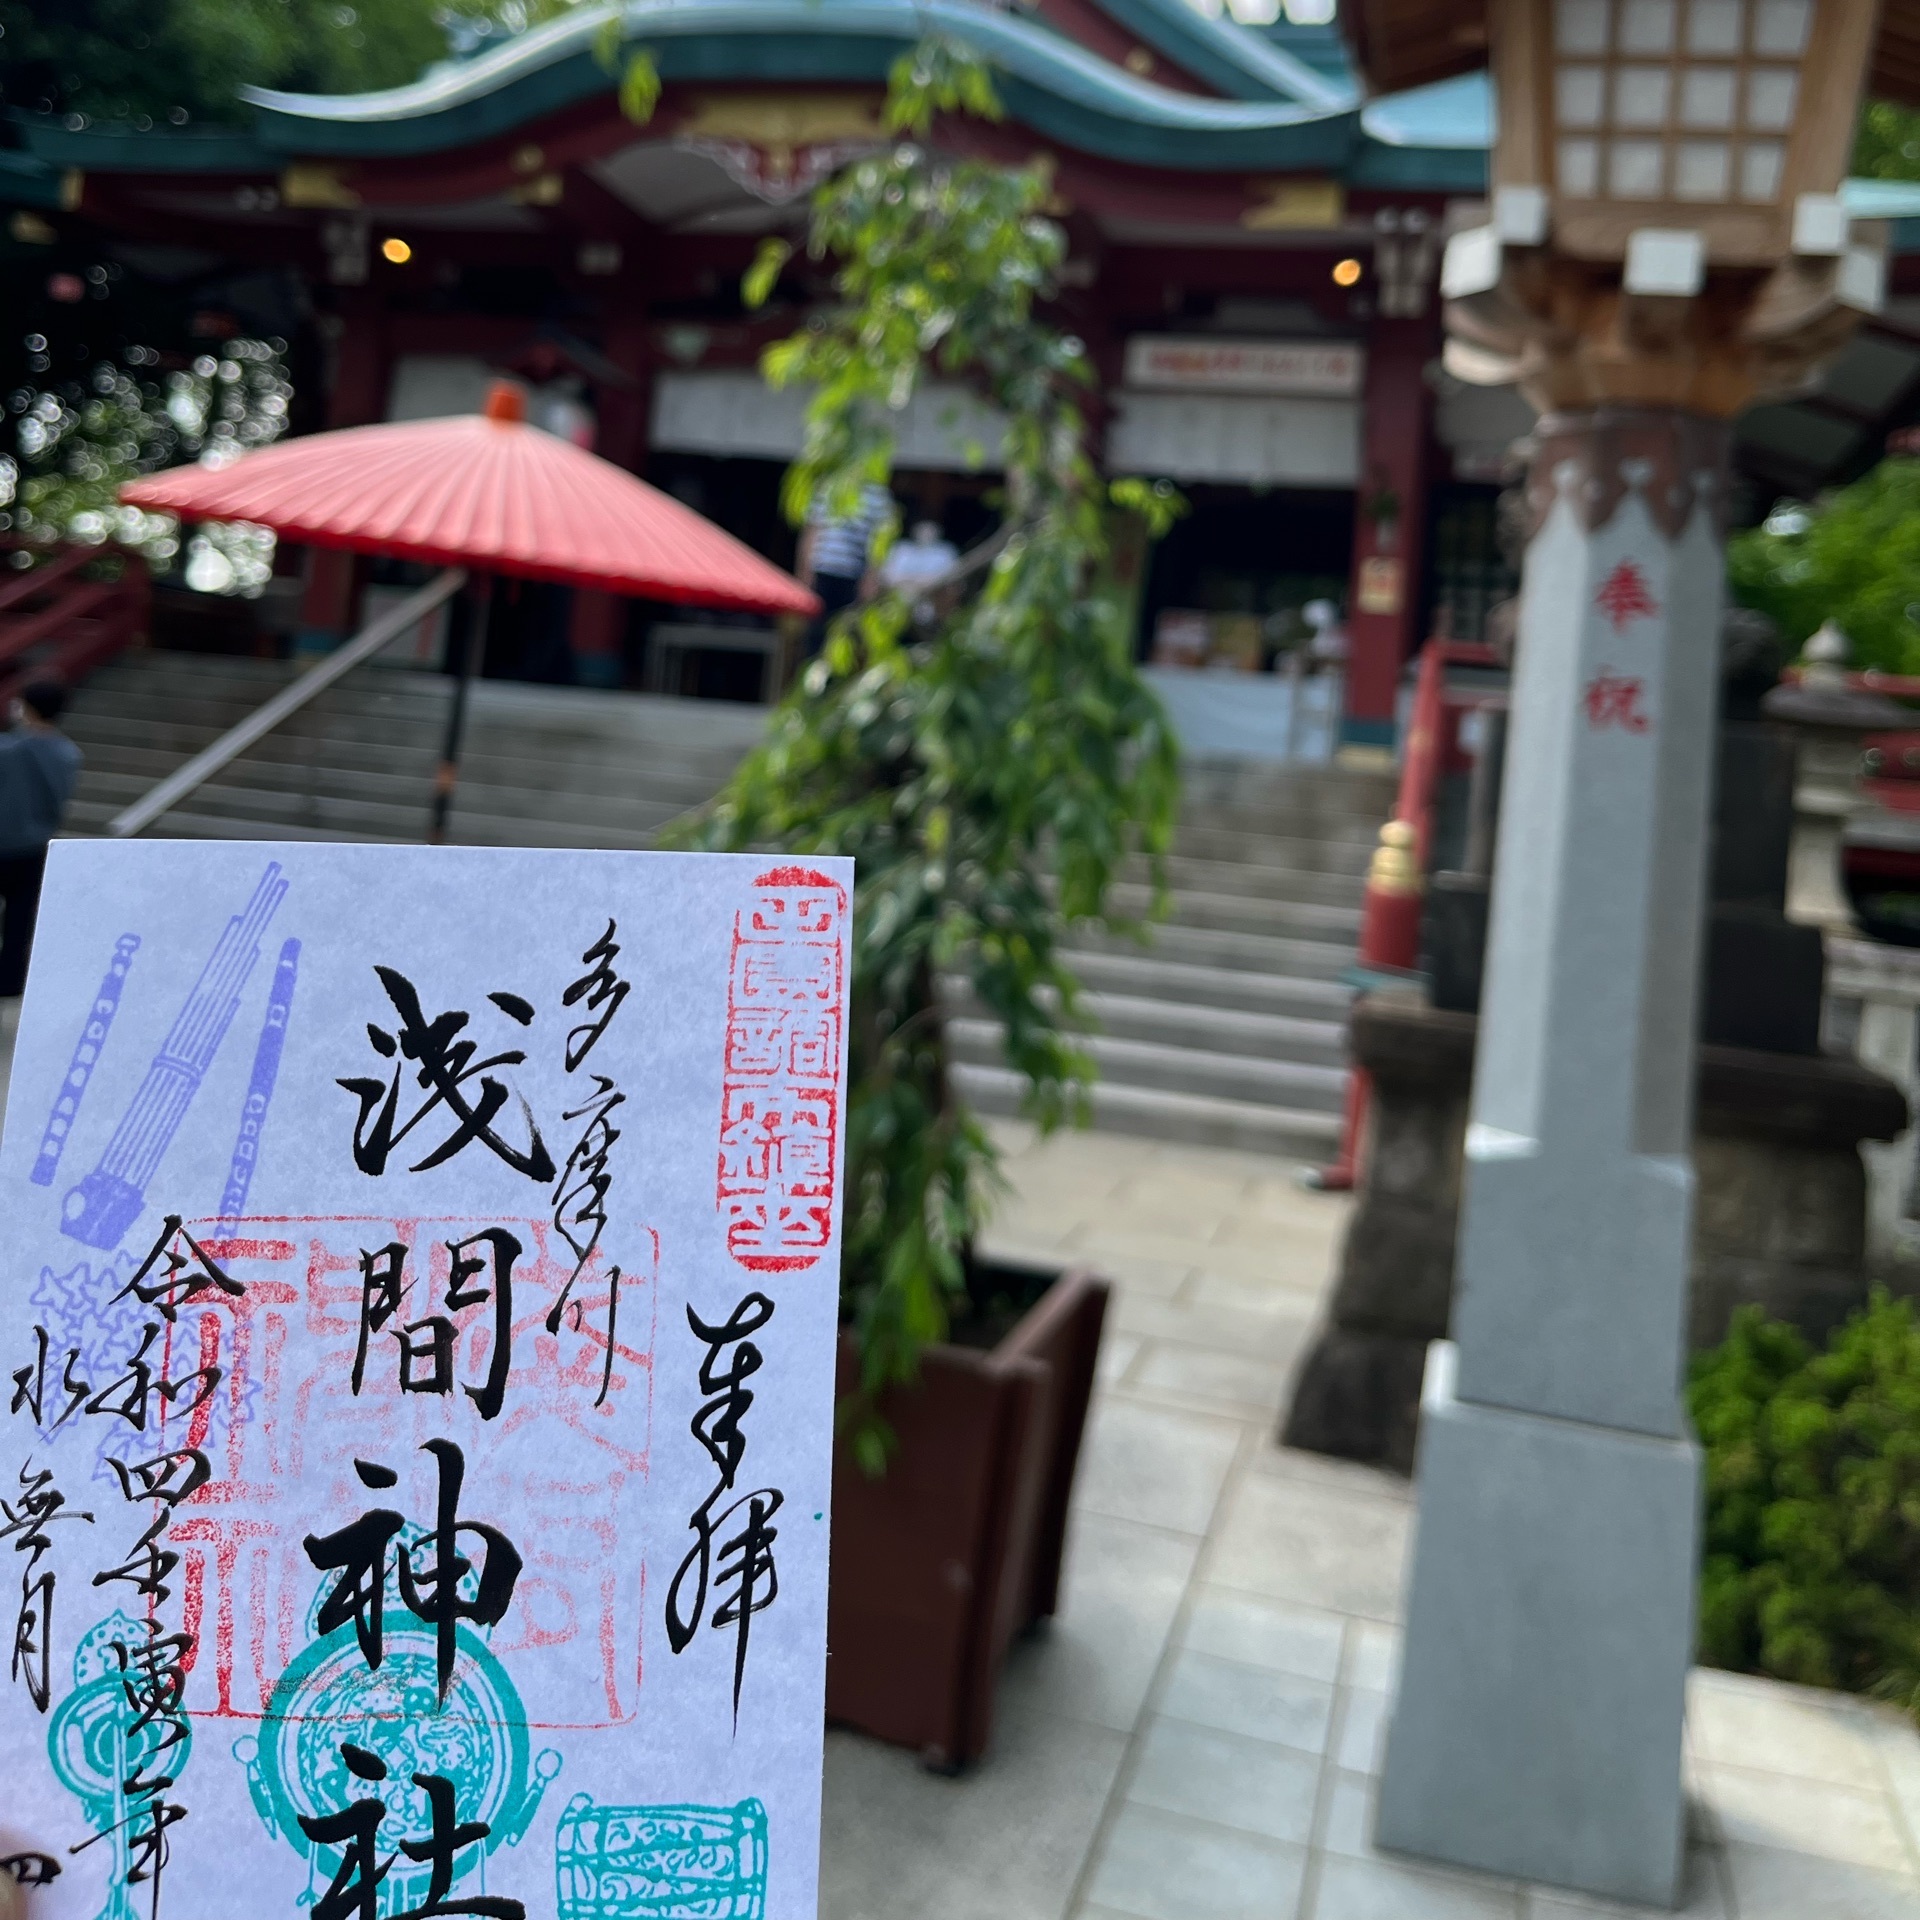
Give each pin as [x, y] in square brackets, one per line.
[1390, 524]
[1538, 1725]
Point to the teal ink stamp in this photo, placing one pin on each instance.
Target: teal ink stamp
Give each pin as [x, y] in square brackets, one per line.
[661, 1863]
[477, 1740]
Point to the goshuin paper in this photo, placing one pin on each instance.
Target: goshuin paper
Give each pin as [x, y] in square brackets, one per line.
[421, 1269]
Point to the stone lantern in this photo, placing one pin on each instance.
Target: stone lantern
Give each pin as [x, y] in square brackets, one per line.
[1665, 244]
[1832, 720]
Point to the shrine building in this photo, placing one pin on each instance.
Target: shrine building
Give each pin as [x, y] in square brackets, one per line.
[1254, 251]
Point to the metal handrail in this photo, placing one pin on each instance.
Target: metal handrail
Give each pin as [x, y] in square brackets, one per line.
[288, 701]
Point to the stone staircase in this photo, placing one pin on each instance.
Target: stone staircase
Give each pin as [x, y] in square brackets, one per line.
[543, 766]
[1224, 1029]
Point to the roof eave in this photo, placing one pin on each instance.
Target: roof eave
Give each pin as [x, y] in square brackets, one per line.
[1059, 89]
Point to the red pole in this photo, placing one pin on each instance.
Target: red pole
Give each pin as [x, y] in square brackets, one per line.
[1390, 907]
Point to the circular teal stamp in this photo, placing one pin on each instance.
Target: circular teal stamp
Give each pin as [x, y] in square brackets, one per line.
[477, 1739]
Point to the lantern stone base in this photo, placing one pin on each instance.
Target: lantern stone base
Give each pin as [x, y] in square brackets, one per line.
[1537, 1729]
[1780, 1215]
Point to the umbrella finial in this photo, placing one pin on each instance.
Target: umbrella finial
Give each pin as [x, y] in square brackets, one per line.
[505, 401]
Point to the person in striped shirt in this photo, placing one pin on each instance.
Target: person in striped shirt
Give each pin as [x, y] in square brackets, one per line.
[836, 555]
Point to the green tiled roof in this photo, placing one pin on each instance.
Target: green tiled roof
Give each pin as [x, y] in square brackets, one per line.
[1285, 115]
[1286, 99]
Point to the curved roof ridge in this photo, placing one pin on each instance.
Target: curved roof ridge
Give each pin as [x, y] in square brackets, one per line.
[1226, 55]
[1026, 53]
[1449, 114]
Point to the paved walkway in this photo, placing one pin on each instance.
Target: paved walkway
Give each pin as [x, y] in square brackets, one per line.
[1196, 1736]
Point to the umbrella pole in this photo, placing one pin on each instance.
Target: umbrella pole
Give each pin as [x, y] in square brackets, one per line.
[473, 649]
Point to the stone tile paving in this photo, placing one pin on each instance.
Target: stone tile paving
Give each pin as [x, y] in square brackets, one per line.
[1198, 1734]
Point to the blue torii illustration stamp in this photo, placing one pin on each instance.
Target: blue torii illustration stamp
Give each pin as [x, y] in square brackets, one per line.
[107, 1201]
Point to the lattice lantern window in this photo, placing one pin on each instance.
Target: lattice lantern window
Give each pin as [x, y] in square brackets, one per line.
[1713, 115]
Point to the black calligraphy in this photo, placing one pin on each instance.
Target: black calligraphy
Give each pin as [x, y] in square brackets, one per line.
[30, 1869]
[169, 1279]
[599, 991]
[429, 1571]
[446, 1070]
[580, 1200]
[732, 1551]
[355, 1890]
[25, 1520]
[426, 1344]
[153, 1666]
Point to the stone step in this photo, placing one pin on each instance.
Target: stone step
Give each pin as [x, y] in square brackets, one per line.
[1289, 1084]
[538, 755]
[297, 810]
[106, 783]
[1133, 974]
[466, 830]
[1188, 1119]
[480, 818]
[1244, 913]
[1212, 947]
[531, 758]
[196, 689]
[1256, 882]
[1359, 827]
[1230, 1031]
[1252, 783]
[1199, 840]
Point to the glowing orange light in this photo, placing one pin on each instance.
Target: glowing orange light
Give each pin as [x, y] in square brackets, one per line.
[400, 253]
[1346, 273]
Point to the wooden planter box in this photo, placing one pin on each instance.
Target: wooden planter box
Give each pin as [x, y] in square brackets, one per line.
[938, 1564]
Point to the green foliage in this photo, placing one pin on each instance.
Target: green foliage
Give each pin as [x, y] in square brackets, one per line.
[1853, 558]
[142, 63]
[940, 75]
[73, 448]
[988, 771]
[1887, 146]
[1813, 1502]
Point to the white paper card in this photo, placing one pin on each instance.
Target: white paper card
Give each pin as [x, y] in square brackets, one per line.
[421, 1274]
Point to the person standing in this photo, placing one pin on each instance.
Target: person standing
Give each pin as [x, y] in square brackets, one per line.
[39, 767]
[836, 554]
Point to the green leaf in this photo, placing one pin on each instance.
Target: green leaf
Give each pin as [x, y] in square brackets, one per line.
[640, 86]
[764, 275]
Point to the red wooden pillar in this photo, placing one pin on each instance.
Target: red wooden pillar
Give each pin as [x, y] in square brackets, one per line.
[625, 420]
[362, 366]
[1390, 523]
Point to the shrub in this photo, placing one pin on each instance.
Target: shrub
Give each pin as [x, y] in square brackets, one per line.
[1812, 1568]
[1852, 557]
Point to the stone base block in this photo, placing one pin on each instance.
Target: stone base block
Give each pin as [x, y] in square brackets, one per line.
[1549, 1629]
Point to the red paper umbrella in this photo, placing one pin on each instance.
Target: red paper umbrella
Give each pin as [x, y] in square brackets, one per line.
[485, 491]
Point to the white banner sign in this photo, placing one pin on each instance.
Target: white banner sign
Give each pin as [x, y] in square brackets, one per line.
[422, 1294]
[1244, 366]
